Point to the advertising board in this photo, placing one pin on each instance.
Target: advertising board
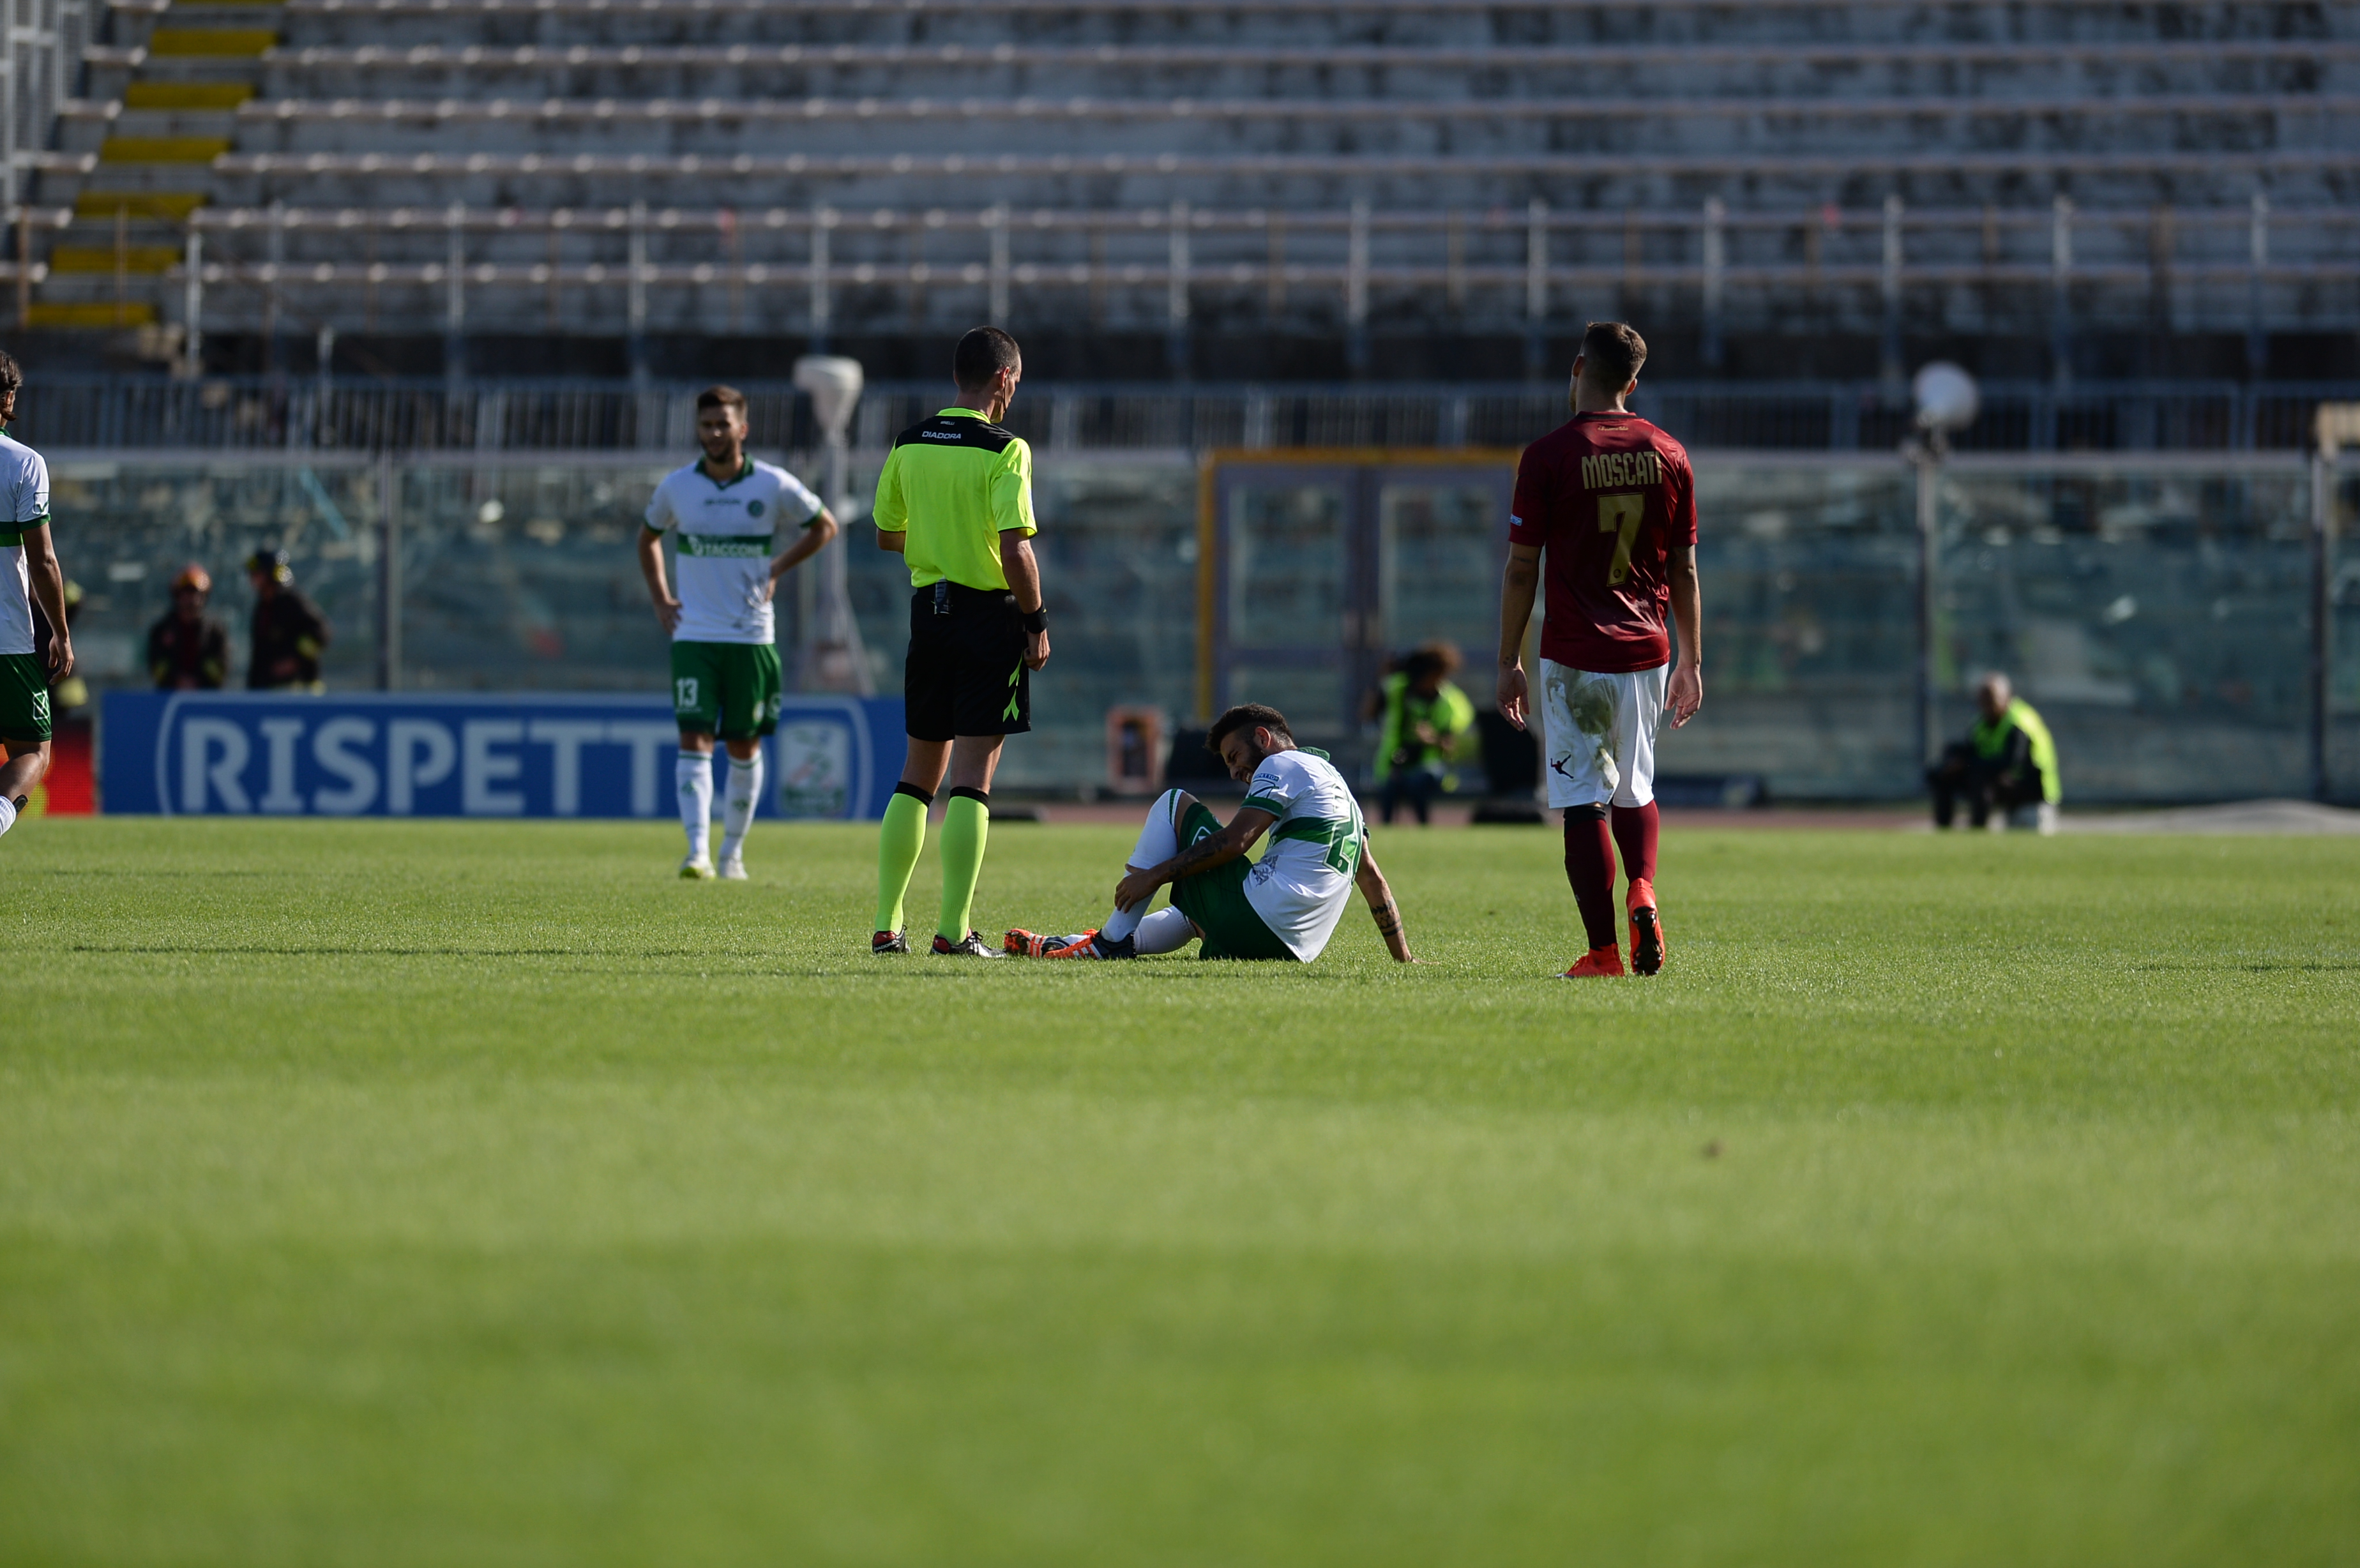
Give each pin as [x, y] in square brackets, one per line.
[514, 755]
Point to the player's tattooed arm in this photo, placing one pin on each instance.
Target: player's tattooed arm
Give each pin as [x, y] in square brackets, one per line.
[1212, 850]
[1387, 914]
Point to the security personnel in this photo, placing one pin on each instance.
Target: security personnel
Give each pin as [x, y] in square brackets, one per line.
[955, 500]
[288, 630]
[2007, 760]
[1426, 717]
[188, 650]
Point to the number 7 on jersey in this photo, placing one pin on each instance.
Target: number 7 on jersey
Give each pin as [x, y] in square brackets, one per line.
[1620, 515]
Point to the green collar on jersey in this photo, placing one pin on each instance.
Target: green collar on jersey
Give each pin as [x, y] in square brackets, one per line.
[744, 467]
[959, 414]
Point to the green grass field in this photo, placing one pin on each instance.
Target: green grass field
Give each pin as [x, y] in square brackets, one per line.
[410, 1194]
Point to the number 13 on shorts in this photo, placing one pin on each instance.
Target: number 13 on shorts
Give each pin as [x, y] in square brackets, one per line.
[1620, 515]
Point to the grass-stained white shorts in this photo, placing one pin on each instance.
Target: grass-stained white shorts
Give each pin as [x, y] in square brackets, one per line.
[1598, 734]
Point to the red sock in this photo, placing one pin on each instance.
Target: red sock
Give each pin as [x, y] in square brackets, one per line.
[1589, 867]
[1634, 834]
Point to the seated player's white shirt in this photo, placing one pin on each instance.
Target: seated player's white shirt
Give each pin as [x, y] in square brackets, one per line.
[1304, 879]
[725, 546]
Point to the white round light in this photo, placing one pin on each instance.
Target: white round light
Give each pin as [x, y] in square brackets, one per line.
[1947, 398]
[834, 382]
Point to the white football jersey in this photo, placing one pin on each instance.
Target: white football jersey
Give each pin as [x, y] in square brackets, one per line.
[1303, 879]
[725, 533]
[24, 499]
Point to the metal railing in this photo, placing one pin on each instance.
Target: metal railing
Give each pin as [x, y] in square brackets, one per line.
[2245, 267]
[315, 414]
[935, 9]
[40, 67]
[481, 57]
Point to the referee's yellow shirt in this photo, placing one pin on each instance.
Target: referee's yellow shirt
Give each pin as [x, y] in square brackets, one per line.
[953, 485]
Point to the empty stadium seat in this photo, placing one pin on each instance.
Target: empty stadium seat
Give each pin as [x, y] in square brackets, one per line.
[481, 165]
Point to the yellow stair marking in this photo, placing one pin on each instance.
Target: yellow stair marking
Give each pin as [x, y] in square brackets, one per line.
[247, 42]
[162, 149]
[101, 259]
[91, 313]
[186, 94]
[169, 206]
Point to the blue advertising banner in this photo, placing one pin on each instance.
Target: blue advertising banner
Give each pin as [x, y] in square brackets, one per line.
[523, 755]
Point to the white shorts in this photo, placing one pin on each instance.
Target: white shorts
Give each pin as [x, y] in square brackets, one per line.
[1600, 734]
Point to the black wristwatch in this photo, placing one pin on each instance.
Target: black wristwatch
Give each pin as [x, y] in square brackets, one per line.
[1037, 621]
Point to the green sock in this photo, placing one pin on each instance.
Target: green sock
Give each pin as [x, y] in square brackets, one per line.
[967, 822]
[903, 835]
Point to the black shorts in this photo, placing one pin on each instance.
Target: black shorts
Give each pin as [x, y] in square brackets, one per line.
[965, 672]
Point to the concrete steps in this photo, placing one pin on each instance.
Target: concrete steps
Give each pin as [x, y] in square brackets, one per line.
[145, 149]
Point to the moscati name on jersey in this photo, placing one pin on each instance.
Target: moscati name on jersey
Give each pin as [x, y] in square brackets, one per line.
[1620, 469]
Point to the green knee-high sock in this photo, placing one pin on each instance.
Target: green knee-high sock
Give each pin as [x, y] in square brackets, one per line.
[967, 823]
[903, 835]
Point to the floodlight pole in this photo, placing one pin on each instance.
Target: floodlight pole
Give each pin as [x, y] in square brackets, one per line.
[2337, 426]
[833, 657]
[1926, 457]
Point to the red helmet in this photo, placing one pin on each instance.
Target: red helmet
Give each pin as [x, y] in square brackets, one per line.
[192, 576]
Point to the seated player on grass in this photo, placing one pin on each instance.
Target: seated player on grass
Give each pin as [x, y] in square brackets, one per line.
[1284, 906]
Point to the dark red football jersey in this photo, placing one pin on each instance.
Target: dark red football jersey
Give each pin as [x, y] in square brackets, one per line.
[1606, 497]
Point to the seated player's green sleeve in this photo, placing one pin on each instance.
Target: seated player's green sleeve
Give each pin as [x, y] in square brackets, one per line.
[1011, 491]
[890, 510]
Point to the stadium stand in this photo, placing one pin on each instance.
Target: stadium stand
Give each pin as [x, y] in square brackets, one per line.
[1779, 186]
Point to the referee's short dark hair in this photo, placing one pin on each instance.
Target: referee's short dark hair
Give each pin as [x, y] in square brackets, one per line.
[1245, 716]
[982, 354]
[721, 397]
[1615, 351]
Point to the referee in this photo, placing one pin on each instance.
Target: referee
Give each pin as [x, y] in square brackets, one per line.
[955, 500]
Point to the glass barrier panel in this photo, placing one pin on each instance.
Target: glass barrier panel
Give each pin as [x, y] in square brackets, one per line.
[1809, 578]
[527, 577]
[124, 529]
[1438, 554]
[2159, 619]
[1117, 555]
[2159, 614]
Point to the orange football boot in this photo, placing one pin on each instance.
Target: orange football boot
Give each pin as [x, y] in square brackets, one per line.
[1646, 930]
[1598, 961]
[1092, 945]
[1023, 943]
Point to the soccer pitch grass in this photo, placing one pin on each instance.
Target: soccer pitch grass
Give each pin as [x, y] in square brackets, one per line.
[416, 1193]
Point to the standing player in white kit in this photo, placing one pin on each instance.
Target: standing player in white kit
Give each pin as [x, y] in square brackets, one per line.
[725, 663]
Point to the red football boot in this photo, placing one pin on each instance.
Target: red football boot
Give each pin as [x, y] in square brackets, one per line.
[1646, 930]
[1598, 961]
